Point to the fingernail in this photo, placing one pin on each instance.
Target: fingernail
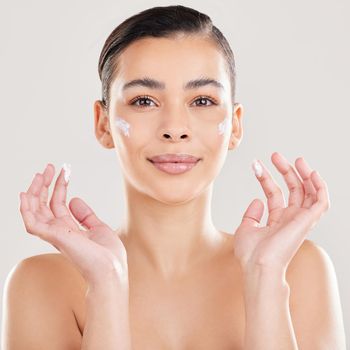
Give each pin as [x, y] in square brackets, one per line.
[67, 171]
[256, 166]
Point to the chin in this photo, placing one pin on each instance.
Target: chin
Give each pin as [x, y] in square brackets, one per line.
[175, 195]
[173, 189]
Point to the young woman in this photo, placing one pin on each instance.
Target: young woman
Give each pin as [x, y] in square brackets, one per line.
[167, 278]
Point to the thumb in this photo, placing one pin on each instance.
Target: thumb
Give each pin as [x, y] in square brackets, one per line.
[254, 213]
[84, 214]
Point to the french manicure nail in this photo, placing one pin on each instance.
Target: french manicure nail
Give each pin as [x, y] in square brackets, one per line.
[257, 168]
[67, 171]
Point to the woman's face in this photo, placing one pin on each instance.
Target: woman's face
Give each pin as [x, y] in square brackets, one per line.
[172, 119]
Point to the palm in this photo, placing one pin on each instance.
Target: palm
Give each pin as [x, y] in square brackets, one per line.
[102, 235]
[56, 225]
[275, 244]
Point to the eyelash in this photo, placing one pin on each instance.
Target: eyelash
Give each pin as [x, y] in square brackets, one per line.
[146, 97]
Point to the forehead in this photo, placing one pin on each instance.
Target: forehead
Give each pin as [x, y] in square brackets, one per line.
[173, 60]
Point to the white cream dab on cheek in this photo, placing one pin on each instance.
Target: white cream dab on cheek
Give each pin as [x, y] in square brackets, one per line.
[123, 125]
[224, 125]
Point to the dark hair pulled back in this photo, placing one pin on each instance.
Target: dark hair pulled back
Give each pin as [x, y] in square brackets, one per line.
[160, 21]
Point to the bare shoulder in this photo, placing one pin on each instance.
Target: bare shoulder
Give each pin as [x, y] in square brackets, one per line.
[50, 275]
[38, 297]
[310, 257]
[49, 269]
[315, 303]
[310, 267]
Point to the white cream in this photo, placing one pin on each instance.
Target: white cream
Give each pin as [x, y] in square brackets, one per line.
[224, 125]
[67, 171]
[258, 170]
[123, 125]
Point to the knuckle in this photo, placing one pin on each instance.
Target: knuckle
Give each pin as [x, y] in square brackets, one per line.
[296, 188]
[275, 192]
[308, 195]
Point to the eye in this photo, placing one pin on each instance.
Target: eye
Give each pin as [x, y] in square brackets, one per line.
[141, 98]
[147, 98]
[203, 98]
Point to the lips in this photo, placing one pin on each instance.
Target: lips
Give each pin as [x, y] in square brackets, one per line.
[174, 158]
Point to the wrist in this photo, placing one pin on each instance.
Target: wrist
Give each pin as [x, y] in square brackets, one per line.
[265, 278]
[108, 283]
[263, 271]
[109, 275]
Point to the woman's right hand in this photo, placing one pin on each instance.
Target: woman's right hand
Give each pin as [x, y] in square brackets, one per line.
[96, 251]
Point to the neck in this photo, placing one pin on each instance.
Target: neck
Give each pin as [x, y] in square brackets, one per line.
[169, 238]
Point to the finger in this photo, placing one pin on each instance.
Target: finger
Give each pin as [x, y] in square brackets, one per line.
[322, 203]
[292, 179]
[273, 193]
[34, 187]
[25, 208]
[43, 196]
[31, 223]
[62, 238]
[58, 200]
[306, 219]
[305, 172]
[34, 191]
[48, 175]
[253, 214]
[32, 201]
[59, 195]
[84, 214]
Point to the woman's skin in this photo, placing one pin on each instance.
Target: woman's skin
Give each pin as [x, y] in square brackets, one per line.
[167, 278]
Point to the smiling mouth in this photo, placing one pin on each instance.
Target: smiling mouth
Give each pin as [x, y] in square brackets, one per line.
[174, 168]
[174, 162]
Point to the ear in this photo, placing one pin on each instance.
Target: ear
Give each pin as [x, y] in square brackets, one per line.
[237, 127]
[102, 127]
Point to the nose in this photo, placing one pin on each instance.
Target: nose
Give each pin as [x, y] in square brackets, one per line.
[175, 136]
[175, 127]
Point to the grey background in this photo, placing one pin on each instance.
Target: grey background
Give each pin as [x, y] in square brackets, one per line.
[293, 80]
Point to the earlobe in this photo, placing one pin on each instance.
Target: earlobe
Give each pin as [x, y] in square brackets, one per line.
[107, 140]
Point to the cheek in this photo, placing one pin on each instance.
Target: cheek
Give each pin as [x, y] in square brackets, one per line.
[221, 129]
[122, 125]
[129, 138]
[218, 138]
[216, 135]
[224, 126]
[131, 134]
[123, 135]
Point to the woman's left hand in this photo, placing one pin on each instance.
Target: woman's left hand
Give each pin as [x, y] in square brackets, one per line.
[274, 245]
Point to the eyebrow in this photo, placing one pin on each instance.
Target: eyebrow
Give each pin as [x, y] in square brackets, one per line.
[158, 85]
